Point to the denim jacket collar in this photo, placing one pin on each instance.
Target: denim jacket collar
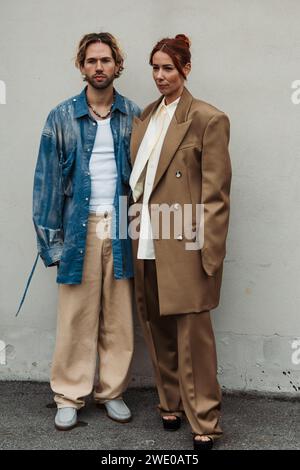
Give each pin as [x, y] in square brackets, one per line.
[81, 106]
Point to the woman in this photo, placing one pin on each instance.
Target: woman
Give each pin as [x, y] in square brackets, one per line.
[180, 159]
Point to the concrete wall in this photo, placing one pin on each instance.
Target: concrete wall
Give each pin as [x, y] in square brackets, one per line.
[246, 57]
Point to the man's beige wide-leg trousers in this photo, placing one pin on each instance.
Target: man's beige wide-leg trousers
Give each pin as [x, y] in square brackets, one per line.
[93, 317]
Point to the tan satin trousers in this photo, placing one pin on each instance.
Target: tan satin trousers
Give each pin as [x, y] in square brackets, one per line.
[183, 353]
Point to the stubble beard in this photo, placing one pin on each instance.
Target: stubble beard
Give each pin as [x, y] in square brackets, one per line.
[102, 85]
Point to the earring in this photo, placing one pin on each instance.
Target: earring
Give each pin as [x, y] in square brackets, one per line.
[83, 77]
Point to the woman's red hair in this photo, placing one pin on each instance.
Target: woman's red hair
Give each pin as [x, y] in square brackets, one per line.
[177, 48]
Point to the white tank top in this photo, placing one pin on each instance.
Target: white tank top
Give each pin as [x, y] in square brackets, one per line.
[103, 169]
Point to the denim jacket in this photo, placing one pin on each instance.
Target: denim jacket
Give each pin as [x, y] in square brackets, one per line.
[62, 186]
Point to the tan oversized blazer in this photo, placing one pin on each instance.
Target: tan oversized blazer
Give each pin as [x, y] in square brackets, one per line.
[194, 168]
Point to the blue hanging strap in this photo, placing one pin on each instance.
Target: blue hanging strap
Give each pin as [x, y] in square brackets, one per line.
[28, 283]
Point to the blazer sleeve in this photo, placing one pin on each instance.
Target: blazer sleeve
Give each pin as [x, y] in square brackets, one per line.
[216, 181]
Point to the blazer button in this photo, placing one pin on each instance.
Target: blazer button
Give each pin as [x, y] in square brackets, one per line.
[178, 174]
[179, 238]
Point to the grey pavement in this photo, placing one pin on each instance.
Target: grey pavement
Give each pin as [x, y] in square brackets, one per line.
[249, 422]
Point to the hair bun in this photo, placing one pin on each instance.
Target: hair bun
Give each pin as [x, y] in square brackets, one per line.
[184, 38]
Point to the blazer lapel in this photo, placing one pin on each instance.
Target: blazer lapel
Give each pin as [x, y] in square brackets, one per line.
[177, 129]
[139, 129]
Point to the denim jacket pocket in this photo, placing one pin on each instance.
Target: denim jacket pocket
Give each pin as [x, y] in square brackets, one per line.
[67, 168]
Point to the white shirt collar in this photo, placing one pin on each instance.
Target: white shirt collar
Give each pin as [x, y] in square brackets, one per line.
[170, 108]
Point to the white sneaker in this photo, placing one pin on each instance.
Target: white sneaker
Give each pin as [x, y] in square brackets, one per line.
[66, 418]
[117, 410]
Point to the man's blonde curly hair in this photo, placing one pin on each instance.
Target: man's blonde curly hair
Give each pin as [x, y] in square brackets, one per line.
[105, 38]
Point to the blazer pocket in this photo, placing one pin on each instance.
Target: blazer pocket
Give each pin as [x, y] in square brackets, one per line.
[188, 145]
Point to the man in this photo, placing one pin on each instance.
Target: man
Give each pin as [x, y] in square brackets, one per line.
[82, 172]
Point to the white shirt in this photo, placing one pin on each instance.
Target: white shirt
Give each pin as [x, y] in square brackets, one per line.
[103, 169]
[149, 151]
